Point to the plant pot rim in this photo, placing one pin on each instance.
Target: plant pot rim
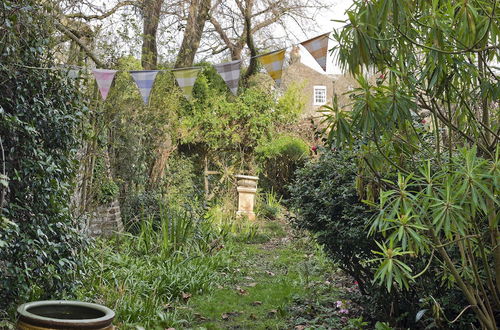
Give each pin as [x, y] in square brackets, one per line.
[25, 315]
[248, 177]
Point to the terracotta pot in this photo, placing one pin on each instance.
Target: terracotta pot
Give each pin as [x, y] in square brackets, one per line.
[63, 314]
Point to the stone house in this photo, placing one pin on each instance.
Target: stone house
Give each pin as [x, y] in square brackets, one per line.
[317, 88]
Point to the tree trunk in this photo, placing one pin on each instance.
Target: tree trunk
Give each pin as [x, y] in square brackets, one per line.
[160, 162]
[198, 15]
[252, 68]
[151, 12]
[237, 49]
[236, 53]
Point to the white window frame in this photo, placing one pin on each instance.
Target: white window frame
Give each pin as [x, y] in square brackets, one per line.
[319, 88]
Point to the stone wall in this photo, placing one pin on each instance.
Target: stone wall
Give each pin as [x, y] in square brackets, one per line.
[102, 220]
[308, 78]
[105, 220]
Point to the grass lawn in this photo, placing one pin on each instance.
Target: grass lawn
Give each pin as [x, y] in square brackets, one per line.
[280, 283]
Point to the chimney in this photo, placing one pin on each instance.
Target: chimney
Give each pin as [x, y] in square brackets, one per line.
[295, 55]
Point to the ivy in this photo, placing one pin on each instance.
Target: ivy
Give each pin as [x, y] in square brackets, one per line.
[40, 113]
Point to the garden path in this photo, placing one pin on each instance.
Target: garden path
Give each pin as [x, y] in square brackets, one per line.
[280, 280]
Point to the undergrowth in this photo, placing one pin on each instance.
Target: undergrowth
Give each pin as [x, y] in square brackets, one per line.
[138, 276]
[215, 272]
[166, 261]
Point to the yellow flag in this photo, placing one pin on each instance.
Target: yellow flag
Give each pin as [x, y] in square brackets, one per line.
[186, 77]
[273, 62]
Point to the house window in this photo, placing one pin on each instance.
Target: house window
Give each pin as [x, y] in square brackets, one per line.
[319, 97]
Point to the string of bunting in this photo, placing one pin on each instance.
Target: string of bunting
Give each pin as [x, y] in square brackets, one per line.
[230, 71]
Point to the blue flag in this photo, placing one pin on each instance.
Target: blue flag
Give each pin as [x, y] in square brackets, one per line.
[144, 81]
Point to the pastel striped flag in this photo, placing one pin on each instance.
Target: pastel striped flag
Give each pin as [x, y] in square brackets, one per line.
[318, 48]
[144, 80]
[104, 79]
[230, 73]
[273, 62]
[186, 79]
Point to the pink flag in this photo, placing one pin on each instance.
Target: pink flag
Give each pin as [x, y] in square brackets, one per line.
[104, 79]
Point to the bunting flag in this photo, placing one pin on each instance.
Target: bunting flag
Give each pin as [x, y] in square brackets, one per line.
[318, 48]
[230, 73]
[144, 81]
[104, 79]
[186, 78]
[273, 62]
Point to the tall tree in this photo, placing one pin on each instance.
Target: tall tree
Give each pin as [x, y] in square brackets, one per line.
[151, 18]
[247, 14]
[198, 15]
[232, 22]
[72, 20]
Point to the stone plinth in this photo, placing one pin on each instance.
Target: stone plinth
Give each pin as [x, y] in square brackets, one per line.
[247, 187]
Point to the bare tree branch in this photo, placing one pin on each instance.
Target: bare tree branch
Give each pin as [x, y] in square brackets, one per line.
[106, 14]
[218, 28]
[73, 37]
[229, 26]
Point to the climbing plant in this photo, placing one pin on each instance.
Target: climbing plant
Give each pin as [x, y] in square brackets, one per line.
[236, 124]
[40, 113]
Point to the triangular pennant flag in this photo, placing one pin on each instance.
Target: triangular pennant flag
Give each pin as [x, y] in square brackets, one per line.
[186, 78]
[273, 62]
[144, 80]
[230, 73]
[318, 48]
[104, 79]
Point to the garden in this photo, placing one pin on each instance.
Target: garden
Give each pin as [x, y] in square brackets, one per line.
[139, 175]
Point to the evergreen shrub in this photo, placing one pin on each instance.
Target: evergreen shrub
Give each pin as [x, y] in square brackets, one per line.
[40, 113]
[325, 201]
[278, 158]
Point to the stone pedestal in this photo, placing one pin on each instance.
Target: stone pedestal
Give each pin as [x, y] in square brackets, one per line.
[247, 187]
